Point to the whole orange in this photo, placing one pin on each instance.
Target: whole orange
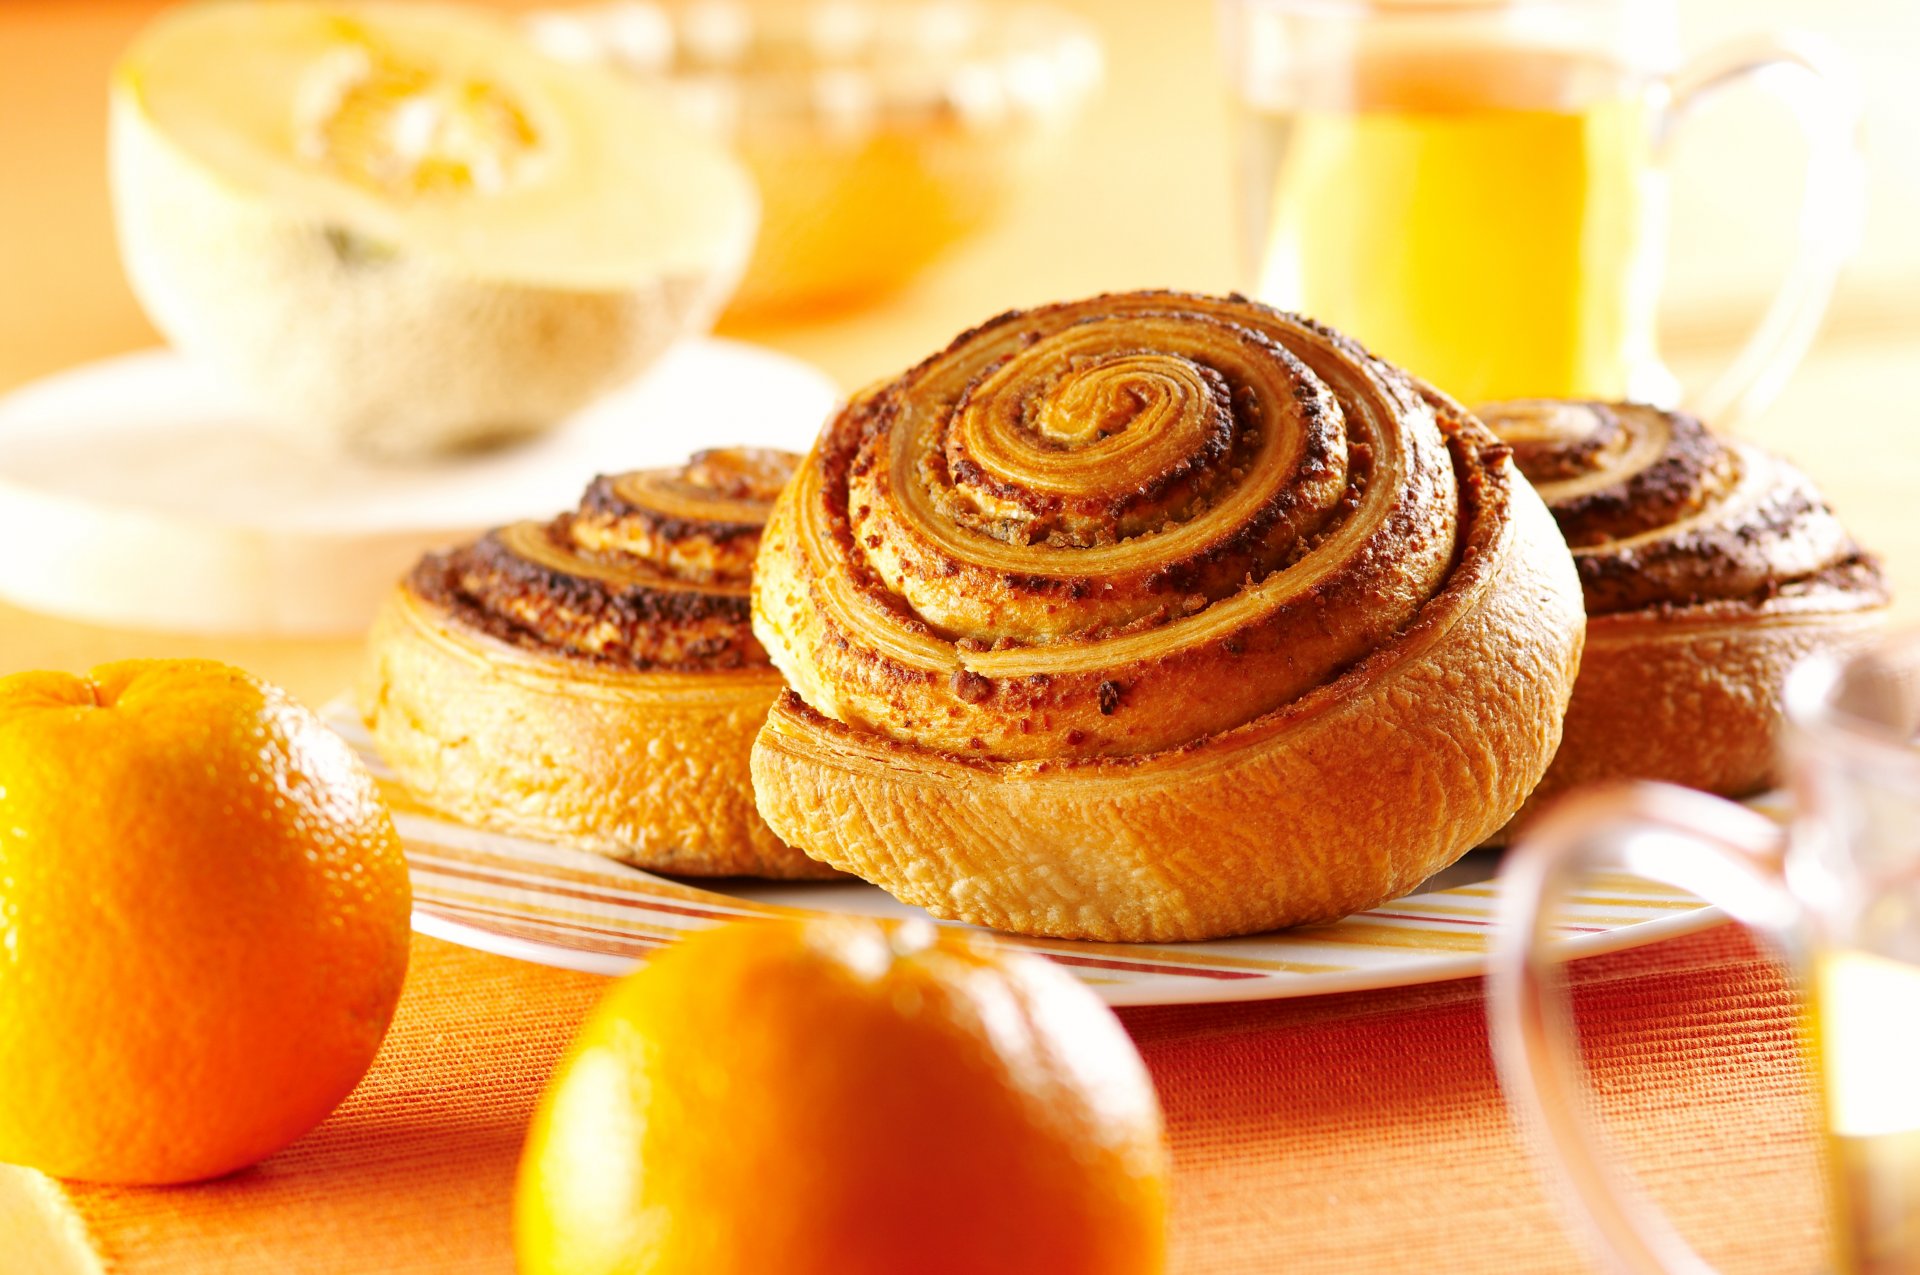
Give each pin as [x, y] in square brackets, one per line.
[203, 920]
[850, 1097]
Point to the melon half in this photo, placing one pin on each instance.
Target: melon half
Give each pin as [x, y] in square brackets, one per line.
[397, 229]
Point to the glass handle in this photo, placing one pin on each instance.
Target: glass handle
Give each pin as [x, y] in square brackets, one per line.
[1803, 74]
[1726, 854]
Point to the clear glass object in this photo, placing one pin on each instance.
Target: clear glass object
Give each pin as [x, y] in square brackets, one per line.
[1475, 188]
[1838, 888]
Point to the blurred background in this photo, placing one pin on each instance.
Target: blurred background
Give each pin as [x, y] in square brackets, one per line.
[1138, 190]
[1139, 194]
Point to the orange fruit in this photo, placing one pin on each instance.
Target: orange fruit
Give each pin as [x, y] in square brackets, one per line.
[203, 920]
[845, 1096]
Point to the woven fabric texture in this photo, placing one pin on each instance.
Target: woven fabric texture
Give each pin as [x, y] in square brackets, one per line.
[1339, 1134]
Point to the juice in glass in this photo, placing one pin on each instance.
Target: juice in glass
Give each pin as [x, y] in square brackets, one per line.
[1490, 220]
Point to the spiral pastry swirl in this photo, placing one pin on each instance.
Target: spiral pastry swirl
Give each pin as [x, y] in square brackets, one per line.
[1126, 539]
[1708, 568]
[594, 678]
[650, 572]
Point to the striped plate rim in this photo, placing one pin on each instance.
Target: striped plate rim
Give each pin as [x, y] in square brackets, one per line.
[552, 905]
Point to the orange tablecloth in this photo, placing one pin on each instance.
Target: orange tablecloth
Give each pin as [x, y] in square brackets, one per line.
[1340, 1134]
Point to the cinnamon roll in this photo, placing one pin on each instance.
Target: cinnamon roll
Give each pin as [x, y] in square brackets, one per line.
[594, 680]
[1709, 568]
[1156, 617]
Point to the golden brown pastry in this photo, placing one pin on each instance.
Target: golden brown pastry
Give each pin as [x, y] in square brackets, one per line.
[1156, 617]
[593, 680]
[1709, 568]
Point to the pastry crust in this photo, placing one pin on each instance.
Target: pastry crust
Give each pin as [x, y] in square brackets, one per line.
[1691, 697]
[592, 681]
[1361, 698]
[1709, 568]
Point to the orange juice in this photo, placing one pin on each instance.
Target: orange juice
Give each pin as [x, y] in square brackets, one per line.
[1490, 222]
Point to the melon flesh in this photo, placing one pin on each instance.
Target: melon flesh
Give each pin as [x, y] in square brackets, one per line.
[399, 230]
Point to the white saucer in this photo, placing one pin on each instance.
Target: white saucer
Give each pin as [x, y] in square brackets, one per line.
[134, 493]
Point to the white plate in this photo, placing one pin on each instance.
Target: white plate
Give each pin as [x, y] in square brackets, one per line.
[133, 492]
[556, 906]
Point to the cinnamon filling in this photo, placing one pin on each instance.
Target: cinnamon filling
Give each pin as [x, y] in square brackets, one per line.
[1065, 535]
[1662, 514]
[650, 573]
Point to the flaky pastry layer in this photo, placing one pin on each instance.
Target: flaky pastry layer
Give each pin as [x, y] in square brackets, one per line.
[593, 680]
[1709, 567]
[1157, 617]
